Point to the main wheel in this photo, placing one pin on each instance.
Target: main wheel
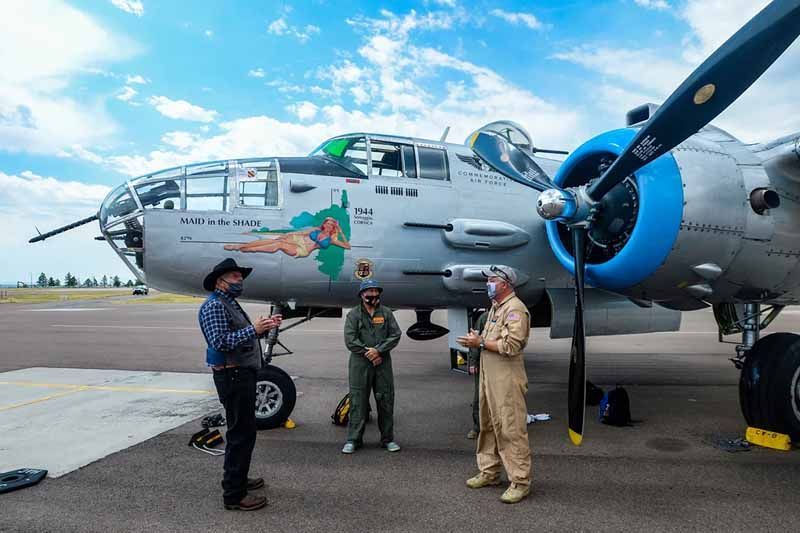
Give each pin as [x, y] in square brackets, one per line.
[769, 385]
[275, 397]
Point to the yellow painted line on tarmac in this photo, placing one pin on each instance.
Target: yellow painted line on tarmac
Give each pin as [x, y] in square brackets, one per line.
[44, 399]
[80, 388]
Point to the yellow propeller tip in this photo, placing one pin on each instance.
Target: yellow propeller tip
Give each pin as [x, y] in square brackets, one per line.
[575, 437]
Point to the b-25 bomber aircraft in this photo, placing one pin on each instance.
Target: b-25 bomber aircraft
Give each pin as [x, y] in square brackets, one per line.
[666, 215]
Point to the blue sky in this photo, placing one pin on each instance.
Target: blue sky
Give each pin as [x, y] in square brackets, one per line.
[93, 92]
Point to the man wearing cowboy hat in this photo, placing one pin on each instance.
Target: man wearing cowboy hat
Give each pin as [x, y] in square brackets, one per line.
[503, 437]
[370, 333]
[234, 354]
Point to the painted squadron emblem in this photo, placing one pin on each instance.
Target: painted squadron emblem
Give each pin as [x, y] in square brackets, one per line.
[363, 269]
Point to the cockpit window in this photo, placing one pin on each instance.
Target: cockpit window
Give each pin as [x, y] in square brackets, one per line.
[160, 194]
[433, 164]
[258, 184]
[349, 152]
[392, 160]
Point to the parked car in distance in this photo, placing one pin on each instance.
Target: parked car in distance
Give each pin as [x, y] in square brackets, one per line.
[140, 289]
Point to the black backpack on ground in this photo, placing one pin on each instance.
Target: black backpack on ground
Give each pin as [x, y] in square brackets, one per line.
[615, 408]
[594, 394]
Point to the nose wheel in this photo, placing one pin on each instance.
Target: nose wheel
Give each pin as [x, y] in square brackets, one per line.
[275, 397]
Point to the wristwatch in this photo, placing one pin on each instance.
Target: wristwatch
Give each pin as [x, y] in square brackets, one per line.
[482, 345]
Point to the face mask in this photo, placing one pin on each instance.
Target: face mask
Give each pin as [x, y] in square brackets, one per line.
[491, 290]
[235, 289]
[372, 300]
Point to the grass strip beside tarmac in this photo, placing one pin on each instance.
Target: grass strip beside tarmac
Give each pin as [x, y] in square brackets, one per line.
[162, 298]
[116, 296]
[39, 296]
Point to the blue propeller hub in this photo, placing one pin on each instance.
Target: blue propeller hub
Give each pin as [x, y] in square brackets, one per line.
[629, 251]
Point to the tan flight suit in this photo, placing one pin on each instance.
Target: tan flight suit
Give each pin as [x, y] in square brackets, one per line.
[503, 438]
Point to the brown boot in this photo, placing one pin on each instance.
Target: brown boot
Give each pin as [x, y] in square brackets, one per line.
[248, 503]
[515, 493]
[480, 481]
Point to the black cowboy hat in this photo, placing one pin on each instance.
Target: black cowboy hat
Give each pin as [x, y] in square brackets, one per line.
[228, 265]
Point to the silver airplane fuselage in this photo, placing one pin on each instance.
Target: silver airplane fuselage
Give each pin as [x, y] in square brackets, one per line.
[425, 239]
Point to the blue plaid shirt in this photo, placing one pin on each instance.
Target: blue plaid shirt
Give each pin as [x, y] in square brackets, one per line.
[215, 324]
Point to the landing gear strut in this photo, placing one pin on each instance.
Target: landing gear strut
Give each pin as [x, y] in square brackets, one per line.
[769, 384]
[275, 391]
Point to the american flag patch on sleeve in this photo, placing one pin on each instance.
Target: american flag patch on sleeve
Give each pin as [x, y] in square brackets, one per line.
[513, 315]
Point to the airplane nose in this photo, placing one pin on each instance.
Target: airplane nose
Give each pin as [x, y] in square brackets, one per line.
[121, 222]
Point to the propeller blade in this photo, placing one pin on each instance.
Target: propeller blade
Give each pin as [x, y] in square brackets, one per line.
[577, 359]
[509, 160]
[62, 229]
[709, 90]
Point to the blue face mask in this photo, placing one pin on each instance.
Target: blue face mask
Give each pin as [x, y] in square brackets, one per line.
[235, 289]
[491, 290]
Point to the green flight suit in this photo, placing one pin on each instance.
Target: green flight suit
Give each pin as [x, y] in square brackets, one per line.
[474, 359]
[379, 331]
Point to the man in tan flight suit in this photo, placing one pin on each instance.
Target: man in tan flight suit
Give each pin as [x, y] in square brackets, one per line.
[503, 437]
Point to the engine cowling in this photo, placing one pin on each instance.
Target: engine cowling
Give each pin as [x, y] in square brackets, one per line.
[639, 221]
[694, 236]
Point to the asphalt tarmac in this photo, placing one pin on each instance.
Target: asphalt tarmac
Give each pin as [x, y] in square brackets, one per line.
[662, 474]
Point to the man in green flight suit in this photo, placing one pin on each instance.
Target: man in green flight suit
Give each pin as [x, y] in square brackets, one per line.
[370, 333]
[474, 367]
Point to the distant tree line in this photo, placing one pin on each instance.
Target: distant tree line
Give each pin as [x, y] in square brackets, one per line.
[71, 281]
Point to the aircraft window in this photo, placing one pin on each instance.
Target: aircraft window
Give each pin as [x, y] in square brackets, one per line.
[160, 194]
[433, 164]
[387, 159]
[349, 152]
[260, 188]
[119, 204]
[207, 194]
[409, 161]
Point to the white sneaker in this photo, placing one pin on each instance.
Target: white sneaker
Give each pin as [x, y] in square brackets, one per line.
[392, 446]
[349, 447]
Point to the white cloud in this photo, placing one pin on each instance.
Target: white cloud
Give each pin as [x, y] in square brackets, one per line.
[83, 153]
[27, 201]
[713, 21]
[136, 79]
[126, 94]
[280, 27]
[181, 109]
[209, 33]
[524, 19]
[617, 101]
[256, 73]
[389, 76]
[394, 26]
[643, 67]
[47, 195]
[35, 114]
[134, 7]
[654, 74]
[304, 110]
[660, 5]
[285, 87]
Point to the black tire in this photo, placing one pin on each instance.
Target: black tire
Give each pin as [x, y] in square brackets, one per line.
[769, 392]
[275, 397]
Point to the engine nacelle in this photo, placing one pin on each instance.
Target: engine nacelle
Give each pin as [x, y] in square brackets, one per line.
[636, 239]
[707, 227]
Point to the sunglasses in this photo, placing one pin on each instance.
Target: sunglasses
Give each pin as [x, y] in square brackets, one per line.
[500, 274]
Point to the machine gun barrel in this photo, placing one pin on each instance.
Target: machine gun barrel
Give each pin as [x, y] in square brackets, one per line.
[62, 229]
